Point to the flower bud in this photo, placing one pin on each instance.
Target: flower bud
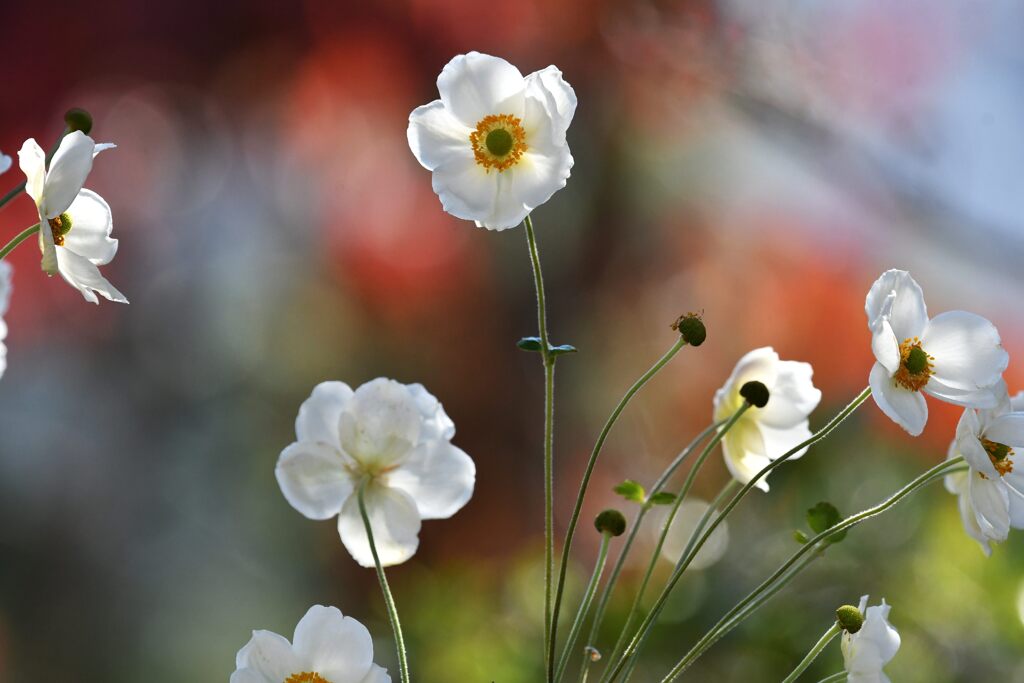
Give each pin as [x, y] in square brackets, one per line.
[850, 618]
[610, 522]
[78, 119]
[692, 329]
[756, 394]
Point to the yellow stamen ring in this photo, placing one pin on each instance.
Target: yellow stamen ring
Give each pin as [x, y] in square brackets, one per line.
[499, 141]
[306, 677]
[916, 366]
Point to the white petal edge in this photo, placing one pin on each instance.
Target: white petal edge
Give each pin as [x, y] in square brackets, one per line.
[338, 647]
[967, 349]
[313, 479]
[91, 225]
[439, 478]
[435, 136]
[268, 654]
[906, 408]
[81, 274]
[395, 522]
[319, 415]
[66, 175]
[476, 85]
[908, 314]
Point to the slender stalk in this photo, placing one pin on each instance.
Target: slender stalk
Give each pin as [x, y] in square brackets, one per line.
[660, 603]
[389, 601]
[588, 598]
[617, 651]
[18, 239]
[835, 678]
[609, 587]
[719, 629]
[825, 639]
[598, 445]
[549, 417]
[14, 192]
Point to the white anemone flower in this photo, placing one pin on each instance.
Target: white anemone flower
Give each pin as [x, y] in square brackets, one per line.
[495, 141]
[395, 438]
[991, 491]
[956, 356]
[872, 647]
[686, 521]
[763, 434]
[74, 224]
[5, 298]
[327, 648]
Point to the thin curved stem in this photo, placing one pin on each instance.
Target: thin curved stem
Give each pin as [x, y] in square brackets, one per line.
[598, 445]
[660, 603]
[549, 416]
[588, 598]
[729, 620]
[835, 678]
[609, 588]
[617, 653]
[14, 192]
[389, 601]
[18, 239]
[825, 639]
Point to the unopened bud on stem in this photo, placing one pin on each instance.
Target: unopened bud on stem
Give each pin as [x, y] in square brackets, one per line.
[756, 394]
[691, 328]
[78, 119]
[610, 522]
[850, 618]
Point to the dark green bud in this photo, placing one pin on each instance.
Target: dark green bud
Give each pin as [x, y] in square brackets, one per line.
[78, 119]
[850, 618]
[691, 328]
[756, 394]
[610, 522]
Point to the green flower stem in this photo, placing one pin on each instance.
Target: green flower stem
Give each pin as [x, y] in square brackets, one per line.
[609, 588]
[617, 653]
[729, 621]
[660, 602]
[814, 652]
[588, 598]
[835, 678]
[598, 445]
[685, 558]
[18, 239]
[389, 601]
[549, 417]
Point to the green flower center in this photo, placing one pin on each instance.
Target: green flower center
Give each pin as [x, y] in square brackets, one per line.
[499, 142]
[60, 226]
[917, 361]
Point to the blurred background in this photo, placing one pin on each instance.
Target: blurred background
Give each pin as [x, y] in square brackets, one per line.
[760, 160]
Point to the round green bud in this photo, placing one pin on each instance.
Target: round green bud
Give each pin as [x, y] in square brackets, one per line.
[499, 142]
[756, 394]
[78, 119]
[610, 522]
[691, 328]
[850, 618]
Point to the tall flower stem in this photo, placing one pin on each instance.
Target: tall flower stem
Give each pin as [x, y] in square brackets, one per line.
[613, 578]
[18, 239]
[825, 639]
[389, 601]
[598, 445]
[835, 678]
[660, 602]
[549, 417]
[588, 598]
[652, 564]
[727, 622]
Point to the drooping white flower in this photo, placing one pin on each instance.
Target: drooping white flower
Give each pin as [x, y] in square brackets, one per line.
[956, 356]
[396, 438]
[763, 434]
[686, 521]
[872, 647]
[495, 141]
[991, 491]
[327, 648]
[5, 298]
[74, 224]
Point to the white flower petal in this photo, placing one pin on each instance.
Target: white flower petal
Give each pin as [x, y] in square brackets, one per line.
[5, 163]
[91, 224]
[378, 674]
[885, 346]
[1014, 483]
[984, 397]
[908, 314]
[380, 424]
[395, 522]
[967, 350]
[439, 477]
[968, 433]
[313, 479]
[249, 676]
[793, 398]
[761, 365]
[508, 208]
[872, 647]
[465, 189]
[319, 415]
[991, 507]
[683, 525]
[779, 441]
[556, 97]
[5, 297]
[744, 451]
[906, 408]
[32, 160]
[81, 274]
[339, 648]
[476, 85]
[435, 136]
[436, 423]
[1007, 429]
[269, 655]
[68, 170]
[102, 147]
[968, 517]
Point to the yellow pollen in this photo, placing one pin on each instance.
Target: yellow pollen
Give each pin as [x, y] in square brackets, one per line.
[916, 366]
[999, 454]
[57, 228]
[306, 677]
[510, 127]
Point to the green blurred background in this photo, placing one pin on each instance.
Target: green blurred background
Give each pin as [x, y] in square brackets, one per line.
[762, 161]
